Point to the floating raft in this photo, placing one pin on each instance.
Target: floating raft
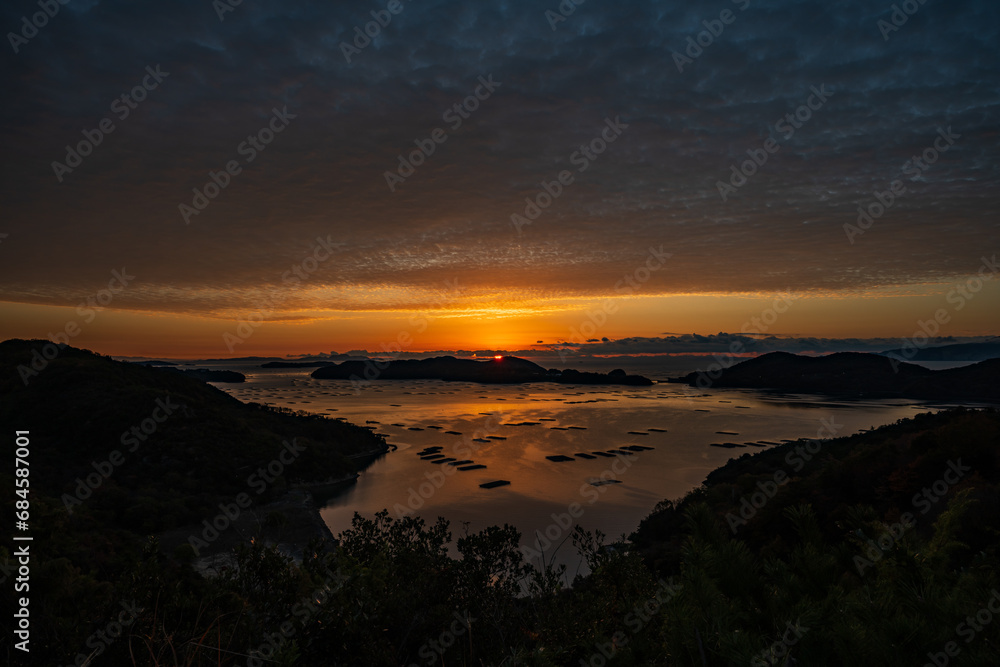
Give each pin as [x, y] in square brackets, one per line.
[625, 452]
[560, 428]
[494, 484]
[436, 427]
[415, 428]
[460, 463]
[480, 440]
[478, 466]
[496, 437]
[636, 448]
[637, 433]
[584, 455]
[559, 458]
[444, 460]
[727, 432]
[578, 428]
[605, 455]
[657, 430]
[453, 432]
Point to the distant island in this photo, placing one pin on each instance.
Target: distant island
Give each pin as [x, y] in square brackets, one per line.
[855, 374]
[956, 352]
[296, 364]
[208, 375]
[501, 370]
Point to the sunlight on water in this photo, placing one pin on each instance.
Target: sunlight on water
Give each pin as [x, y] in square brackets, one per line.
[511, 429]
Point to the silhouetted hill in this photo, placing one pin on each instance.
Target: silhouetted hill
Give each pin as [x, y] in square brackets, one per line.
[185, 444]
[856, 374]
[888, 471]
[494, 371]
[956, 352]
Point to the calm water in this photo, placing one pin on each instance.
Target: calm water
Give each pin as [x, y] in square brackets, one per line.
[414, 415]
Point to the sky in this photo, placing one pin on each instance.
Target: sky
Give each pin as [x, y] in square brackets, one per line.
[201, 178]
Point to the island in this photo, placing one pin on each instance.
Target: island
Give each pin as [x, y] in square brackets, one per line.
[855, 374]
[499, 370]
[296, 364]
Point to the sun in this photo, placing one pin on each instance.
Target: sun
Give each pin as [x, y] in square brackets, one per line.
[498, 357]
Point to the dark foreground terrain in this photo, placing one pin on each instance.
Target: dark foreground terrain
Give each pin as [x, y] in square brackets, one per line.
[874, 549]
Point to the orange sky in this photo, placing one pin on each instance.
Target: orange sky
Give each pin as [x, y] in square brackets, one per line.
[509, 325]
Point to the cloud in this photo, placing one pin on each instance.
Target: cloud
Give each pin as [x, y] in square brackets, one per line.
[323, 176]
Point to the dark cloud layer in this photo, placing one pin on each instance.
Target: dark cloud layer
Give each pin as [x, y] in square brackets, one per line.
[323, 176]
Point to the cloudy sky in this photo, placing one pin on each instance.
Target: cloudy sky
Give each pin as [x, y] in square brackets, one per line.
[325, 241]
